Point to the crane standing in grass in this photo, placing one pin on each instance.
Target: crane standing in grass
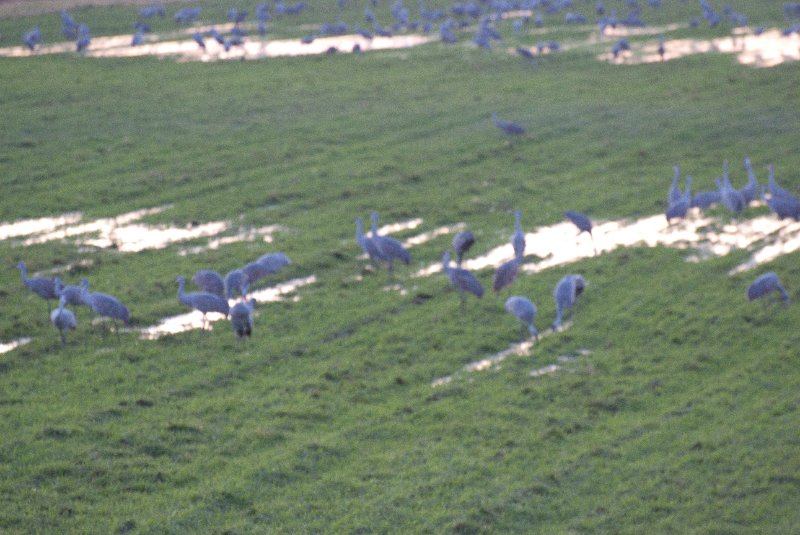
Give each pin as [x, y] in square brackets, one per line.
[525, 311]
[209, 281]
[509, 128]
[565, 294]
[766, 284]
[71, 293]
[107, 306]
[41, 286]
[518, 238]
[63, 319]
[242, 318]
[235, 282]
[461, 279]
[205, 302]
[461, 244]
[388, 248]
[365, 242]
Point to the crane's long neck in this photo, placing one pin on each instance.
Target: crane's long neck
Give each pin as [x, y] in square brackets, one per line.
[181, 284]
[24, 271]
[374, 225]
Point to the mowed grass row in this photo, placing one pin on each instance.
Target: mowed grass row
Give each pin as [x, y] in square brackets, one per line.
[680, 418]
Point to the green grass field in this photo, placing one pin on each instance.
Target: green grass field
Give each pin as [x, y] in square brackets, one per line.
[677, 412]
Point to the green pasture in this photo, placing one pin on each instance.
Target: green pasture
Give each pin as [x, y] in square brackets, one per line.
[677, 410]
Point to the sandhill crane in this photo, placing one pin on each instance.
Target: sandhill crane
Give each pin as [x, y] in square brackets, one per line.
[525, 311]
[766, 284]
[461, 279]
[750, 191]
[583, 223]
[565, 294]
[203, 301]
[106, 305]
[71, 293]
[461, 244]
[235, 283]
[41, 286]
[508, 127]
[63, 319]
[209, 281]
[242, 318]
[518, 238]
[388, 248]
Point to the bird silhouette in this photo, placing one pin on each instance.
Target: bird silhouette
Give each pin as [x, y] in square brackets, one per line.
[565, 294]
[107, 306]
[508, 127]
[274, 262]
[505, 274]
[205, 302]
[784, 206]
[235, 283]
[731, 198]
[750, 191]
[518, 238]
[764, 285]
[71, 293]
[525, 311]
[209, 281]
[41, 286]
[461, 279]
[461, 244]
[365, 242]
[63, 319]
[679, 208]
[32, 38]
[242, 318]
[388, 248]
[583, 223]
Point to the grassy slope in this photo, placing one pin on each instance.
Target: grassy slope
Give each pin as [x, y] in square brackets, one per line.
[681, 419]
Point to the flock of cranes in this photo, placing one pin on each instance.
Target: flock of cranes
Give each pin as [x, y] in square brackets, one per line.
[483, 16]
[216, 290]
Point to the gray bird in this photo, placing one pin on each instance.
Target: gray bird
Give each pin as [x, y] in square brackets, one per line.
[71, 293]
[209, 281]
[32, 38]
[766, 284]
[461, 279]
[508, 127]
[365, 242]
[774, 188]
[518, 238]
[235, 283]
[505, 274]
[41, 286]
[63, 319]
[388, 248]
[783, 205]
[274, 262]
[731, 198]
[242, 318]
[203, 301]
[583, 223]
[107, 306]
[461, 244]
[679, 208]
[255, 271]
[750, 191]
[565, 294]
[525, 311]
[705, 199]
